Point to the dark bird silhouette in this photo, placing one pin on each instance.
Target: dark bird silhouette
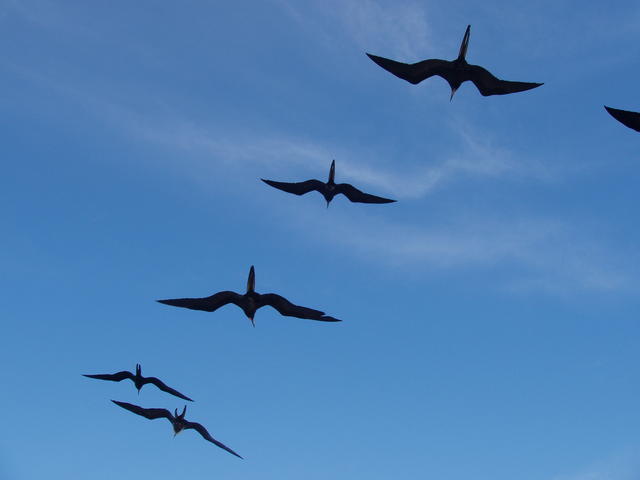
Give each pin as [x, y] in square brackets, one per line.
[139, 381]
[329, 189]
[627, 118]
[249, 303]
[177, 421]
[454, 72]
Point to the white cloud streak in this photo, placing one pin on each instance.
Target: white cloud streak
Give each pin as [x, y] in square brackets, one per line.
[624, 466]
[541, 254]
[476, 157]
[398, 28]
[546, 255]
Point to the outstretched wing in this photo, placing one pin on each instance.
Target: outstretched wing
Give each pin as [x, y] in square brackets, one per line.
[285, 307]
[162, 386]
[208, 304]
[413, 72]
[355, 195]
[203, 431]
[113, 377]
[299, 188]
[627, 118]
[150, 413]
[487, 84]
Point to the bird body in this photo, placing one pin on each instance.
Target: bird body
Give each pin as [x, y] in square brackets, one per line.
[178, 422]
[249, 302]
[139, 381]
[455, 72]
[627, 118]
[328, 190]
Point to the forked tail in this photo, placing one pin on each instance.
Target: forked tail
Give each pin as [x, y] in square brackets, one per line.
[464, 45]
[251, 281]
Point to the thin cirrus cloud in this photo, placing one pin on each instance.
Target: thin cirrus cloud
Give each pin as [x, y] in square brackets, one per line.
[623, 466]
[397, 28]
[540, 254]
[476, 156]
[546, 255]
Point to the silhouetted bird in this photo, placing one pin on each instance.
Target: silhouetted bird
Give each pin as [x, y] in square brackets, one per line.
[454, 72]
[627, 118]
[177, 421]
[249, 303]
[138, 380]
[329, 189]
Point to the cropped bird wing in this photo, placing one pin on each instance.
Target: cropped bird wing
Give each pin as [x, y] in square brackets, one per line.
[297, 188]
[627, 118]
[285, 307]
[203, 431]
[150, 413]
[114, 377]
[487, 84]
[208, 304]
[162, 386]
[413, 72]
[355, 195]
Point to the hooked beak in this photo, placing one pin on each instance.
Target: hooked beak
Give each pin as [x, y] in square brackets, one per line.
[453, 92]
[252, 322]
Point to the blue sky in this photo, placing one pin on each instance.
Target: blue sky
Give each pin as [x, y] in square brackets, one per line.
[490, 316]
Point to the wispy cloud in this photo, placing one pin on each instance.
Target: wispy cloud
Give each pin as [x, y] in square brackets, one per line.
[398, 28]
[475, 156]
[624, 466]
[540, 254]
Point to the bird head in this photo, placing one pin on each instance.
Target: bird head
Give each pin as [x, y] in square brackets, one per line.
[453, 92]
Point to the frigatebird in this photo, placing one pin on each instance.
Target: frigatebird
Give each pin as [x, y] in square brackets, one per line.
[138, 380]
[454, 72]
[329, 189]
[177, 421]
[627, 118]
[249, 303]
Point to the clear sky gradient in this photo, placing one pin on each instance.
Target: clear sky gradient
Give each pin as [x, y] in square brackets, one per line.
[490, 325]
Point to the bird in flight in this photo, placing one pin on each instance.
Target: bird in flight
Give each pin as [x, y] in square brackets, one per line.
[454, 72]
[139, 381]
[627, 118]
[177, 421]
[249, 303]
[329, 189]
